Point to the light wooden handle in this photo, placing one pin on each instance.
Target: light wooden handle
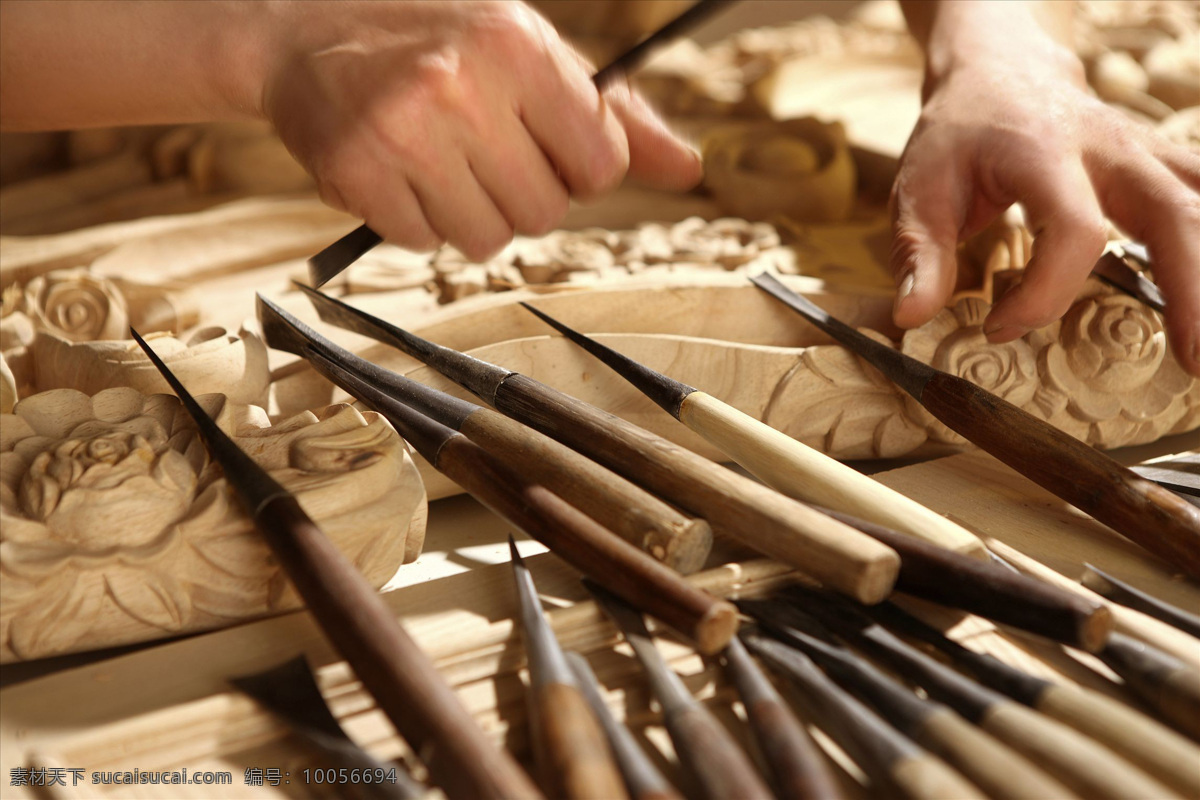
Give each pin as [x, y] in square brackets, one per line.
[799, 471]
[1155, 748]
[1086, 767]
[629, 511]
[997, 769]
[710, 754]
[840, 557]
[573, 754]
[926, 777]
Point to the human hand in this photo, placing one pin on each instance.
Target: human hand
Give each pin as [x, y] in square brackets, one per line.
[1019, 126]
[461, 122]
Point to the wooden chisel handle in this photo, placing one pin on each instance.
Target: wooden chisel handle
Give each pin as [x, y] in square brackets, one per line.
[1139, 509]
[799, 471]
[927, 777]
[408, 688]
[573, 752]
[1086, 767]
[835, 554]
[1170, 686]
[1162, 752]
[589, 547]
[682, 543]
[708, 752]
[997, 769]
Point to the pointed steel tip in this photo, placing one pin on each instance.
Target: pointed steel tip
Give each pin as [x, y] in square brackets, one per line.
[513, 552]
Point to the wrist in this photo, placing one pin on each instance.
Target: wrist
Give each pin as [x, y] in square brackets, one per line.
[988, 36]
[240, 53]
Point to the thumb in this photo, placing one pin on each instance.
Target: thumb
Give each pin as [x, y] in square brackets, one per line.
[929, 208]
[657, 157]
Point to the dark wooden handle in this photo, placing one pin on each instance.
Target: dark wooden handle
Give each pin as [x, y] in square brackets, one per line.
[720, 768]
[1137, 508]
[573, 754]
[835, 554]
[589, 547]
[626, 509]
[404, 682]
[796, 762]
[990, 590]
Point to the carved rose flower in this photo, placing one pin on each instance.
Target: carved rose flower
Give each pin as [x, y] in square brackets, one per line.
[954, 342]
[77, 306]
[1107, 364]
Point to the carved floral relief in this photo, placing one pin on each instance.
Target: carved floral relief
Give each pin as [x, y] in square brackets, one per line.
[1104, 374]
[118, 528]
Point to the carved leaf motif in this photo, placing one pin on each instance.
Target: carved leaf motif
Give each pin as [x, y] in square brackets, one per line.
[149, 596]
[45, 628]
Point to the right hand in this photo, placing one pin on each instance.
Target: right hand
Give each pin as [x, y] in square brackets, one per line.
[463, 122]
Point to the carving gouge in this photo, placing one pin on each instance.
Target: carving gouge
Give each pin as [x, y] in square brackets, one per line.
[1062, 751]
[642, 778]
[991, 765]
[830, 551]
[345, 251]
[1152, 746]
[571, 534]
[1142, 511]
[704, 747]
[895, 765]
[626, 509]
[408, 688]
[572, 754]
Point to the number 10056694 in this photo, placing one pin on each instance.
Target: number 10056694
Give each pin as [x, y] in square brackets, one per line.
[343, 775]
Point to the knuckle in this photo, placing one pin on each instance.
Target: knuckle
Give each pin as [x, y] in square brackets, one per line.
[481, 246]
[547, 216]
[605, 170]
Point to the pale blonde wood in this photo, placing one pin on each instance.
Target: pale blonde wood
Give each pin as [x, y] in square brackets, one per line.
[27, 208]
[1128, 621]
[994, 767]
[928, 778]
[800, 471]
[117, 528]
[1091, 770]
[1160, 751]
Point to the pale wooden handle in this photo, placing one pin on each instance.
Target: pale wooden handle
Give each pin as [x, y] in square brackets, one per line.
[574, 756]
[1088, 768]
[1152, 746]
[840, 557]
[993, 766]
[798, 470]
[925, 777]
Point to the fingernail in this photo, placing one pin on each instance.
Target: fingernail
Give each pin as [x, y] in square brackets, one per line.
[1004, 333]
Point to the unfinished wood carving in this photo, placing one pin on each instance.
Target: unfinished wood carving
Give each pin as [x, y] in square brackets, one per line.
[798, 168]
[210, 360]
[118, 528]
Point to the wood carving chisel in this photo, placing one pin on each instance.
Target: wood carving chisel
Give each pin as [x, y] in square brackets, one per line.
[997, 769]
[1117, 591]
[642, 778]
[774, 457]
[626, 509]
[894, 764]
[926, 570]
[409, 689]
[798, 768]
[834, 553]
[351, 247]
[1062, 751]
[1155, 748]
[573, 756]
[568, 532]
[1142, 511]
[706, 750]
